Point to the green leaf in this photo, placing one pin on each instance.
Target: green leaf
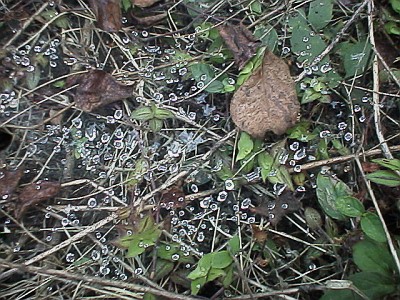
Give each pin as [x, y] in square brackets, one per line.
[227, 280]
[374, 285]
[59, 84]
[33, 78]
[392, 164]
[256, 7]
[384, 177]
[307, 45]
[163, 268]
[372, 227]
[350, 206]
[215, 87]
[313, 218]
[143, 113]
[155, 125]
[370, 256]
[162, 114]
[297, 18]
[392, 28]
[196, 285]
[148, 296]
[395, 5]
[320, 13]
[340, 294]
[126, 4]
[329, 189]
[301, 132]
[267, 35]
[281, 176]
[214, 274]
[355, 56]
[203, 266]
[234, 244]
[221, 259]
[265, 161]
[245, 146]
[171, 251]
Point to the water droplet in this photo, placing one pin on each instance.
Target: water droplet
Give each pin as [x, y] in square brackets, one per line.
[138, 271]
[348, 136]
[222, 196]
[297, 168]
[175, 257]
[245, 203]
[194, 188]
[284, 206]
[64, 221]
[229, 184]
[70, 257]
[342, 126]
[104, 270]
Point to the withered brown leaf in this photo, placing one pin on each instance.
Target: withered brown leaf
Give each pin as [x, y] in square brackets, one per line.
[259, 235]
[9, 181]
[173, 198]
[108, 14]
[97, 88]
[275, 210]
[144, 3]
[150, 20]
[240, 41]
[267, 100]
[35, 193]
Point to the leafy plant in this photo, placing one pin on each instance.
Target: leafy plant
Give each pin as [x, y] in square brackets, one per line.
[153, 114]
[386, 177]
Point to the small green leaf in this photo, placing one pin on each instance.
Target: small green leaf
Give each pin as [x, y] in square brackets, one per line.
[329, 189]
[395, 5]
[355, 56]
[226, 282]
[392, 164]
[203, 266]
[267, 35]
[143, 113]
[340, 294]
[265, 160]
[221, 259]
[163, 268]
[126, 4]
[392, 28]
[155, 125]
[374, 285]
[162, 114]
[370, 256]
[384, 177]
[214, 274]
[59, 84]
[196, 285]
[148, 296]
[281, 176]
[234, 244]
[350, 206]
[245, 146]
[33, 78]
[372, 227]
[256, 7]
[313, 218]
[320, 13]
[215, 87]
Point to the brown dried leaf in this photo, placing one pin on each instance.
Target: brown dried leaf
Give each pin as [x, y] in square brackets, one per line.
[150, 20]
[144, 3]
[8, 182]
[267, 101]
[108, 14]
[173, 198]
[240, 41]
[35, 193]
[259, 235]
[275, 210]
[97, 88]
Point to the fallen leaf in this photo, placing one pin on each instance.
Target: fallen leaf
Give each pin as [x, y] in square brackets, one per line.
[267, 101]
[97, 88]
[35, 193]
[259, 235]
[108, 14]
[150, 20]
[275, 210]
[240, 41]
[8, 182]
[369, 167]
[173, 198]
[144, 3]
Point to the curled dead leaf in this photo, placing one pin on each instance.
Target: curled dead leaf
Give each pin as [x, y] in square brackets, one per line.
[35, 193]
[96, 89]
[267, 101]
[108, 14]
[240, 41]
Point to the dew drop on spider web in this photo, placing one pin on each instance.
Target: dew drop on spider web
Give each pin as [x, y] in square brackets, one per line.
[70, 257]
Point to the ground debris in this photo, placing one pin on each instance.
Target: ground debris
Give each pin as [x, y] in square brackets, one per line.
[9, 181]
[275, 210]
[108, 14]
[267, 101]
[150, 20]
[35, 193]
[96, 89]
[240, 41]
